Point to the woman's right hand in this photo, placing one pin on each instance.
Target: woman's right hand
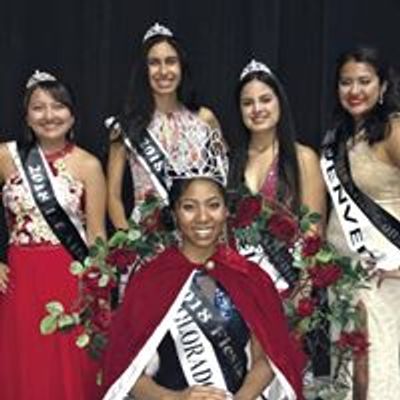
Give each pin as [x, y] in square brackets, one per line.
[4, 270]
[204, 393]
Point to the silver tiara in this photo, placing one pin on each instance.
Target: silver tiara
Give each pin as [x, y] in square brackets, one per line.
[254, 66]
[201, 154]
[39, 76]
[157, 29]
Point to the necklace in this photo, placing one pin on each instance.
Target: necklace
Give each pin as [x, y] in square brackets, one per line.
[55, 155]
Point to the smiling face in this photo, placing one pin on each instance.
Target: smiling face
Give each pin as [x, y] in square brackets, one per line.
[200, 215]
[359, 88]
[164, 69]
[259, 106]
[49, 119]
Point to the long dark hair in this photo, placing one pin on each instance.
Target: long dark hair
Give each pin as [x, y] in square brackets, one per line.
[61, 93]
[289, 186]
[139, 104]
[375, 123]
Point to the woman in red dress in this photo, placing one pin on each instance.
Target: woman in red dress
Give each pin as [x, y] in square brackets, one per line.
[54, 197]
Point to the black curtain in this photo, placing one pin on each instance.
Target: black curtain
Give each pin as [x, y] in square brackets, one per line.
[92, 44]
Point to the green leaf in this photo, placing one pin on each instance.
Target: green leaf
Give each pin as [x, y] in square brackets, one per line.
[103, 281]
[66, 321]
[48, 325]
[305, 225]
[118, 239]
[314, 217]
[82, 340]
[100, 243]
[54, 308]
[134, 234]
[76, 268]
[77, 318]
[304, 210]
[93, 252]
[304, 325]
[324, 255]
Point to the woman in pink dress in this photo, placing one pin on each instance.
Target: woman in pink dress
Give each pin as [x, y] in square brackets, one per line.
[54, 197]
[267, 158]
[270, 161]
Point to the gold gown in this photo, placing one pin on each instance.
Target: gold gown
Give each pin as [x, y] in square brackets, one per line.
[381, 182]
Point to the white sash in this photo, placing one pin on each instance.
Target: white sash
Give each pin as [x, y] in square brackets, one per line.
[200, 367]
[361, 235]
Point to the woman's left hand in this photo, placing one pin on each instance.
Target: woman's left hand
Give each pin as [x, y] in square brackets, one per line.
[383, 274]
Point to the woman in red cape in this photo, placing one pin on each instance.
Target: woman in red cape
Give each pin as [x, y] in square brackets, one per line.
[159, 301]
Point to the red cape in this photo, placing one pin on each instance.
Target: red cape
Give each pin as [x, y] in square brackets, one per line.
[154, 288]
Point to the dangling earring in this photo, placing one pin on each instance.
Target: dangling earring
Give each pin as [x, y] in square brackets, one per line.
[380, 100]
[223, 237]
[177, 232]
[71, 135]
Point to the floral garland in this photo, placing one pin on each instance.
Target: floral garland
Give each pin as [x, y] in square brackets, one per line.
[306, 262]
[309, 265]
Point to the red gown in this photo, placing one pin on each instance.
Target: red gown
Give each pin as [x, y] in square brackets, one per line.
[33, 366]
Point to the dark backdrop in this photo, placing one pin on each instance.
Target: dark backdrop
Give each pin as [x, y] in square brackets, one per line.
[91, 44]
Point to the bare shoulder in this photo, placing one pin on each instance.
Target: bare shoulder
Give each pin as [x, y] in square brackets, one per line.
[3, 150]
[392, 141]
[6, 163]
[5, 155]
[394, 122]
[86, 160]
[207, 116]
[306, 154]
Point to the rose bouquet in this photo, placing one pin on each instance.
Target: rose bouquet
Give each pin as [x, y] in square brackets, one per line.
[98, 275]
[313, 271]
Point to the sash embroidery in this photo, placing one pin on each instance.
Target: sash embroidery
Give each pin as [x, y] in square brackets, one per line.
[355, 210]
[383, 221]
[153, 158]
[230, 353]
[36, 173]
[196, 356]
[208, 352]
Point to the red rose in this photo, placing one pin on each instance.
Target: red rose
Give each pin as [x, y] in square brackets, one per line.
[152, 222]
[150, 197]
[356, 341]
[90, 278]
[324, 276]
[248, 210]
[306, 307]
[283, 227]
[102, 318]
[122, 259]
[90, 284]
[311, 245]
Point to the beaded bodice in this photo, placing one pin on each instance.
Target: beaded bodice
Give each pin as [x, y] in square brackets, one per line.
[169, 131]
